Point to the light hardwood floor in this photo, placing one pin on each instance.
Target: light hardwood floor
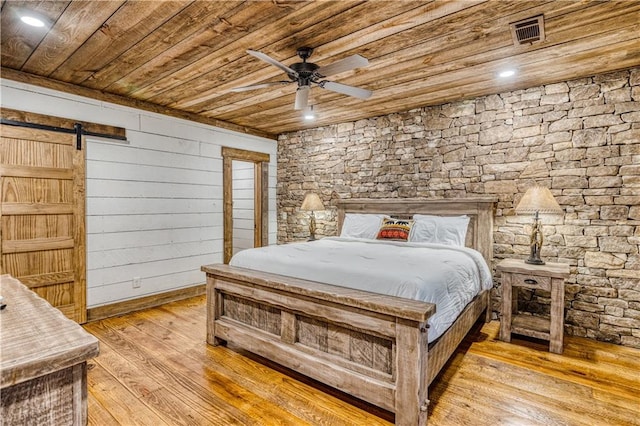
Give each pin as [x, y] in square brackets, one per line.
[155, 368]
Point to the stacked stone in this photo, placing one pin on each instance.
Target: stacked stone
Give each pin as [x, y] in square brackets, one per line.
[579, 138]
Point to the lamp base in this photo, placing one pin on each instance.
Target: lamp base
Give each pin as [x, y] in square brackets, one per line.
[535, 242]
[312, 227]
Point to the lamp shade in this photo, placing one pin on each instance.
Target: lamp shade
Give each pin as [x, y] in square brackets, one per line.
[312, 202]
[538, 199]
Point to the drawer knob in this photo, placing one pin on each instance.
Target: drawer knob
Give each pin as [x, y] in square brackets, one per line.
[530, 281]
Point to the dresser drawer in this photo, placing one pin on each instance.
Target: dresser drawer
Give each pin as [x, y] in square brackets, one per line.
[531, 281]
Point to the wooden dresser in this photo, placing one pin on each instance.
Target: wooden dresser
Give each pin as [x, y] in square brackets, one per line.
[43, 361]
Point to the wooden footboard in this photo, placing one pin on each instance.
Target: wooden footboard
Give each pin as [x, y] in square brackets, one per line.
[369, 345]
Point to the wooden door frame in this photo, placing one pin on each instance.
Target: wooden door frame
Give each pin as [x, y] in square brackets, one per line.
[261, 197]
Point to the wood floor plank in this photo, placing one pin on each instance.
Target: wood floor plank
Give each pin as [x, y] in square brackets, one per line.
[591, 350]
[98, 414]
[470, 413]
[127, 372]
[155, 368]
[123, 407]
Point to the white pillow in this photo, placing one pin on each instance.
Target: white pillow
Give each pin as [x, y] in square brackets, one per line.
[450, 230]
[358, 225]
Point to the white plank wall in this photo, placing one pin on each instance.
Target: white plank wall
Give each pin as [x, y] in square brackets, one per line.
[243, 193]
[154, 205]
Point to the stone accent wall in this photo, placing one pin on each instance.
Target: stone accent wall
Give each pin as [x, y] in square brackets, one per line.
[580, 138]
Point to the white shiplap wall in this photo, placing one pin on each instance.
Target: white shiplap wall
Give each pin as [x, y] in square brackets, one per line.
[154, 205]
[243, 194]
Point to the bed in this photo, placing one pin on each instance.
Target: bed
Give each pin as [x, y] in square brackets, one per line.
[373, 346]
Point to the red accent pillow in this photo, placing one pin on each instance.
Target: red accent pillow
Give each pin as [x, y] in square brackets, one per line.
[395, 229]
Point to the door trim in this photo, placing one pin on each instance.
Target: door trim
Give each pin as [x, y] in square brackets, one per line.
[261, 197]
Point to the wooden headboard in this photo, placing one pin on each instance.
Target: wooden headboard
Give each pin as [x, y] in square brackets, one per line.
[480, 211]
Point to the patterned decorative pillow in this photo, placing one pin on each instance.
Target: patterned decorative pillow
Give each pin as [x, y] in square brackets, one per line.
[395, 229]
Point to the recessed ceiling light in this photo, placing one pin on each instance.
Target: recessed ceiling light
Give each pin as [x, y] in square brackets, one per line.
[506, 73]
[30, 20]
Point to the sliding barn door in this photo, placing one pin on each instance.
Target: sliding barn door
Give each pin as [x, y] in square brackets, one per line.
[42, 213]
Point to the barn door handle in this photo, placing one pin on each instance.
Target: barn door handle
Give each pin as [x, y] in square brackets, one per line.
[78, 128]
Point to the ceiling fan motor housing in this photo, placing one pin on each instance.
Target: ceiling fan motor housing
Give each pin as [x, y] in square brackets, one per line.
[306, 73]
[306, 70]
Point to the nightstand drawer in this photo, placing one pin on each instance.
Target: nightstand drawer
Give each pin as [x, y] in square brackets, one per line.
[531, 281]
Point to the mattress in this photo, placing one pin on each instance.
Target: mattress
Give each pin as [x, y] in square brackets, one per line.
[448, 276]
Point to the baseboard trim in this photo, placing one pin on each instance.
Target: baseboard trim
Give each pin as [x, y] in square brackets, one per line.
[127, 306]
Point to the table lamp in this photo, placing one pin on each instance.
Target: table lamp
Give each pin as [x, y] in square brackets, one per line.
[536, 200]
[312, 202]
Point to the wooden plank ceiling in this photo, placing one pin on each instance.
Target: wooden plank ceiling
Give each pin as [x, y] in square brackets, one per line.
[182, 57]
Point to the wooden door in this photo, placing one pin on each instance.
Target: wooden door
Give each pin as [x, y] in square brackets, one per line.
[42, 215]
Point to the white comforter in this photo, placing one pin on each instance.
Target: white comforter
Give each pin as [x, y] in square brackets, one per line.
[445, 275]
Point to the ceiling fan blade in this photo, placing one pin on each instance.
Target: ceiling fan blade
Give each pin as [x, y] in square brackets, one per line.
[356, 92]
[259, 86]
[346, 64]
[272, 61]
[302, 97]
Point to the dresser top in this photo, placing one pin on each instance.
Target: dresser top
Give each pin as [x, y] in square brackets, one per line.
[35, 337]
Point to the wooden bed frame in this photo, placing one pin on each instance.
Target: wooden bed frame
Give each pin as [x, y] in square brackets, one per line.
[369, 345]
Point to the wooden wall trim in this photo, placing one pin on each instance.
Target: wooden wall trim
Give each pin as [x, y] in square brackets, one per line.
[127, 306]
[48, 83]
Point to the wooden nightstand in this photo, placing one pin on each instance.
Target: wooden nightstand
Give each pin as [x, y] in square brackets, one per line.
[549, 277]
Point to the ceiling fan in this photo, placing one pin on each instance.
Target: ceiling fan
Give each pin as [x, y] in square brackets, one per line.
[306, 74]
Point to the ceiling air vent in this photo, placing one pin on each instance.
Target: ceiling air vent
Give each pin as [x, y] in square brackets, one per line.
[528, 30]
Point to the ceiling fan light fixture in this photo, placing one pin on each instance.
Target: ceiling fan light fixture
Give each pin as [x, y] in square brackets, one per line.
[302, 98]
[308, 114]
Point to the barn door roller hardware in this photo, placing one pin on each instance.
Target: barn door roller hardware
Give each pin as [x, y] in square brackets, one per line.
[78, 130]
